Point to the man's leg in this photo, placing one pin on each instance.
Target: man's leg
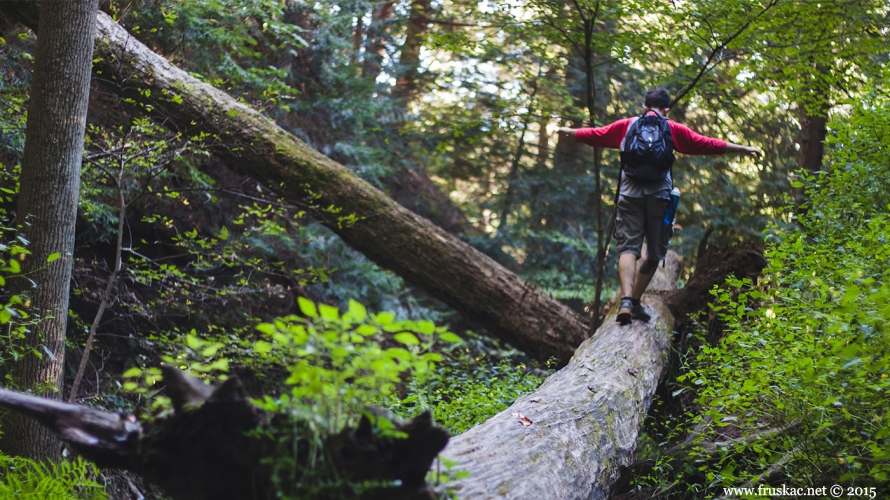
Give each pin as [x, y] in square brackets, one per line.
[627, 267]
[643, 277]
[656, 249]
[629, 229]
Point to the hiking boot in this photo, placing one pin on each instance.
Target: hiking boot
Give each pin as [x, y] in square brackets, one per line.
[624, 312]
[639, 312]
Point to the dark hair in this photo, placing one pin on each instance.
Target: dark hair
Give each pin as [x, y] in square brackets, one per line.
[658, 99]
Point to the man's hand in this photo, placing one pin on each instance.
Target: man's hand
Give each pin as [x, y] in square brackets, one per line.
[566, 131]
[755, 152]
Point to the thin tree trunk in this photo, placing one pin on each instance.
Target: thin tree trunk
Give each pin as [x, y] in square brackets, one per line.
[543, 142]
[375, 47]
[357, 37]
[601, 241]
[47, 206]
[517, 161]
[364, 217]
[109, 286]
[409, 59]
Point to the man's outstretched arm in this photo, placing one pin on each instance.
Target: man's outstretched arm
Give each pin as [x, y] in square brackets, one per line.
[743, 150]
[608, 136]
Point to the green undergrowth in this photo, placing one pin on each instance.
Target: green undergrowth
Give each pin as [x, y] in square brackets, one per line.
[795, 392]
[25, 479]
[325, 366]
[476, 380]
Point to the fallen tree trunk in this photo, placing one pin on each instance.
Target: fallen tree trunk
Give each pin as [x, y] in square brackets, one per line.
[582, 422]
[364, 217]
[219, 446]
[576, 435]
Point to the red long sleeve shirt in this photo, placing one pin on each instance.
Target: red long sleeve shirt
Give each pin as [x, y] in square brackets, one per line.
[686, 140]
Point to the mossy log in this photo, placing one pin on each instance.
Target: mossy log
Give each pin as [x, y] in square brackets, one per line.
[218, 445]
[387, 233]
[572, 437]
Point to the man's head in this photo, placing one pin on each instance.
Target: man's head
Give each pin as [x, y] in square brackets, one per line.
[658, 99]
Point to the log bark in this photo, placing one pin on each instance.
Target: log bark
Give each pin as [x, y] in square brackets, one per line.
[388, 234]
[584, 419]
[218, 445]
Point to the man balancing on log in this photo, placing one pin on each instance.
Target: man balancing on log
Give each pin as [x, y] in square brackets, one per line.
[647, 144]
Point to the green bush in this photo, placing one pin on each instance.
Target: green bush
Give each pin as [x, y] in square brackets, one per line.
[796, 391]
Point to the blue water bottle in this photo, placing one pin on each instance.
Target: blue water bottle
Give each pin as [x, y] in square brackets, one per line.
[672, 207]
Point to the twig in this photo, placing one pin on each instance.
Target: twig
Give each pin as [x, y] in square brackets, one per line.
[134, 490]
[707, 65]
[122, 211]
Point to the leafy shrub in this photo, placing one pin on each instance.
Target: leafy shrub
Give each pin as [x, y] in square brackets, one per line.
[324, 367]
[796, 391]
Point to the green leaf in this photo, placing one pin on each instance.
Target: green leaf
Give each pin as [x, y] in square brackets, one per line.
[220, 364]
[261, 347]
[385, 318]
[307, 307]
[449, 337]
[129, 386]
[133, 372]
[406, 338]
[357, 311]
[426, 327]
[211, 350]
[367, 330]
[328, 312]
[192, 341]
[266, 328]
[53, 256]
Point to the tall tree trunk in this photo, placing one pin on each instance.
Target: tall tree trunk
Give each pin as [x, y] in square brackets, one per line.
[357, 37]
[410, 183]
[375, 47]
[409, 59]
[543, 142]
[813, 128]
[361, 215]
[47, 205]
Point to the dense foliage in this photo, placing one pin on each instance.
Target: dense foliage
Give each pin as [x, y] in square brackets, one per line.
[795, 392]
